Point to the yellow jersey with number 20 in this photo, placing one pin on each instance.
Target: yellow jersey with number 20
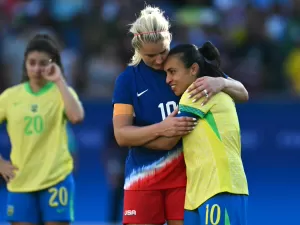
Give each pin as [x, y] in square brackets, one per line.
[36, 125]
[212, 151]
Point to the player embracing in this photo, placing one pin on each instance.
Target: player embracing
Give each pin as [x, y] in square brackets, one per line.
[217, 190]
[144, 120]
[39, 176]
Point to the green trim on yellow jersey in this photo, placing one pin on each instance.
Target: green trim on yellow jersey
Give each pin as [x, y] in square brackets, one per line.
[208, 117]
[212, 123]
[185, 108]
[43, 90]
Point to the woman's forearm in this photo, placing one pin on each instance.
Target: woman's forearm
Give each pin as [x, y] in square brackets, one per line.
[135, 136]
[236, 90]
[163, 143]
[73, 109]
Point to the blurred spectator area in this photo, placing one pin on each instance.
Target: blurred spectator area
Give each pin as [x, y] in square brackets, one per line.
[258, 39]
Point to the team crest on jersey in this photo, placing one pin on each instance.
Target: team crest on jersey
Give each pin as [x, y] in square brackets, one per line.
[34, 108]
[10, 210]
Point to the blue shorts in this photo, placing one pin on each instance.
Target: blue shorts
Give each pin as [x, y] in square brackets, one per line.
[55, 204]
[222, 209]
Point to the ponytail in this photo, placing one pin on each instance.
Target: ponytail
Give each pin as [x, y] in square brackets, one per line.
[210, 52]
[212, 60]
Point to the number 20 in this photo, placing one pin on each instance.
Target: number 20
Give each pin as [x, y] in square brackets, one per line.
[61, 193]
[210, 215]
[34, 124]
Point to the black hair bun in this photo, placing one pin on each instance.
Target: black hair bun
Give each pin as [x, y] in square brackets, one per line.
[210, 52]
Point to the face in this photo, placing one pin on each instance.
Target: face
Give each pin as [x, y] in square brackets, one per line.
[179, 77]
[35, 63]
[155, 54]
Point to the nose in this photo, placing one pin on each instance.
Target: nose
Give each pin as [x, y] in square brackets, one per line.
[168, 79]
[37, 68]
[159, 59]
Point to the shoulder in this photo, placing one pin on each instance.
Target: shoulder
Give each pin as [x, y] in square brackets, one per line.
[126, 75]
[222, 96]
[185, 98]
[13, 90]
[130, 73]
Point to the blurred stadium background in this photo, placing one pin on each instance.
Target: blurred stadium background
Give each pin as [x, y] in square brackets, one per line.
[259, 41]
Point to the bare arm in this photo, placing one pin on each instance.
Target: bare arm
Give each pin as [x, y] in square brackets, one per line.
[73, 108]
[128, 135]
[163, 143]
[209, 86]
[235, 89]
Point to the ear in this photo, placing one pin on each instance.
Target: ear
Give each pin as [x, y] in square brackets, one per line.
[194, 69]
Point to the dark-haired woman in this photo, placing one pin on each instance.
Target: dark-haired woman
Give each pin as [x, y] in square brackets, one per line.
[144, 119]
[39, 176]
[217, 190]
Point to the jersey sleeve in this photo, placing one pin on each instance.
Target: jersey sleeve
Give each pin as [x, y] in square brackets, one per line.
[122, 91]
[3, 106]
[122, 97]
[186, 105]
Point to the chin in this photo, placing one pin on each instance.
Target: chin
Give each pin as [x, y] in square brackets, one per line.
[158, 67]
[178, 93]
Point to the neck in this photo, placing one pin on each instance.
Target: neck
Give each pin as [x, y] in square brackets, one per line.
[36, 86]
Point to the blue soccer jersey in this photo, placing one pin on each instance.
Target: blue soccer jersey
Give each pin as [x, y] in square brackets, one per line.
[152, 100]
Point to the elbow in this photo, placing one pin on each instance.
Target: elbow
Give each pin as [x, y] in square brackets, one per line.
[76, 116]
[245, 97]
[75, 119]
[120, 140]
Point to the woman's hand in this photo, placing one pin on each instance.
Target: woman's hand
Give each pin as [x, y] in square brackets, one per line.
[52, 73]
[7, 170]
[206, 87]
[176, 126]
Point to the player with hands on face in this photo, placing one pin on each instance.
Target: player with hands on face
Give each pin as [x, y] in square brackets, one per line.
[36, 113]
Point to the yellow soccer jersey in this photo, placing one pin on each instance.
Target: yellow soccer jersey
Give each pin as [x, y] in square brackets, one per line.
[212, 151]
[36, 125]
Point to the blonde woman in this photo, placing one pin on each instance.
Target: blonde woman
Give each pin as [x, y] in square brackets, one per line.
[145, 119]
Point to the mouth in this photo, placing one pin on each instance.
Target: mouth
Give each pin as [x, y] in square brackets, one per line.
[175, 89]
[159, 66]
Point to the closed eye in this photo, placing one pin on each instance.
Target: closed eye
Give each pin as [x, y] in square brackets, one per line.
[172, 71]
[161, 53]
